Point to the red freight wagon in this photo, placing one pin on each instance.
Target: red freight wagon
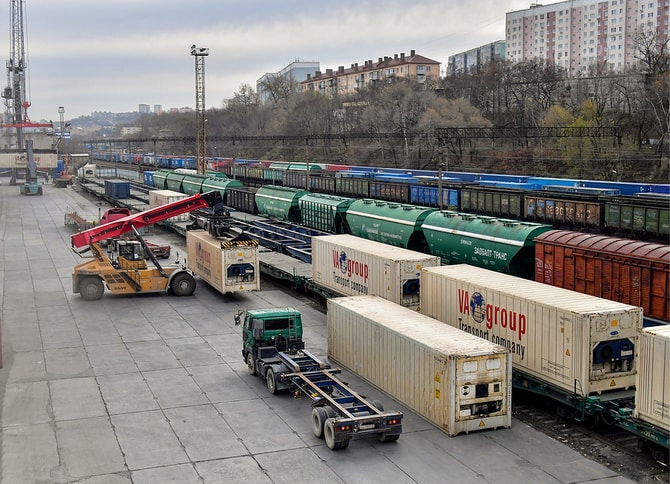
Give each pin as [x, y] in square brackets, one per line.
[629, 271]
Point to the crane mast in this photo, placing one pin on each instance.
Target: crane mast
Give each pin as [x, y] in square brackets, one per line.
[200, 156]
[15, 92]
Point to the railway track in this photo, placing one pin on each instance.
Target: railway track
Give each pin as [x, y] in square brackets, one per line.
[609, 445]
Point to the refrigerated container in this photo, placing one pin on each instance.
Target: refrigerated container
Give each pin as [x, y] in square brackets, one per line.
[652, 398]
[158, 198]
[350, 266]
[228, 264]
[574, 342]
[457, 381]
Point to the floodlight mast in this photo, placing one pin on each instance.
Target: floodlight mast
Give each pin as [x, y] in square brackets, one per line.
[200, 151]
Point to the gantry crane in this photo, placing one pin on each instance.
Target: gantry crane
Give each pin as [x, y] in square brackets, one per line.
[200, 152]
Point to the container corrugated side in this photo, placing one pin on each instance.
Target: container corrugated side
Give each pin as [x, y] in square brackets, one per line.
[352, 266]
[652, 393]
[457, 381]
[216, 264]
[570, 340]
[159, 198]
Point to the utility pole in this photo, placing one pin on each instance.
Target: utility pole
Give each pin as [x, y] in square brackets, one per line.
[200, 146]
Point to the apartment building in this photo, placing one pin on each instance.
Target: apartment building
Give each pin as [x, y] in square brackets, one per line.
[576, 34]
[475, 59]
[347, 81]
[296, 72]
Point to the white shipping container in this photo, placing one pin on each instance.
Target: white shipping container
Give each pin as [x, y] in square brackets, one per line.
[572, 341]
[352, 266]
[159, 198]
[227, 265]
[458, 381]
[652, 393]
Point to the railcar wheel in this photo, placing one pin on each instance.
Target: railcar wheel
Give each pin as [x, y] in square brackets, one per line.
[91, 288]
[183, 284]
[270, 381]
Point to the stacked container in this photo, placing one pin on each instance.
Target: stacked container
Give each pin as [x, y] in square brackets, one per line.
[652, 398]
[158, 198]
[351, 266]
[458, 381]
[575, 342]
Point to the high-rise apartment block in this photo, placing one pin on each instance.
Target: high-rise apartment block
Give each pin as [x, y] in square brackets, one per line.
[577, 34]
[475, 59]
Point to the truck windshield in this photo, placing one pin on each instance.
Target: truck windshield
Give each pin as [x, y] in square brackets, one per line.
[278, 324]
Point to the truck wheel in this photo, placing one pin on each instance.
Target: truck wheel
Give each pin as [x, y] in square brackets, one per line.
[183, 284]
[270, 381]
[378, 405]
[91, 288]
[329, 436]
[251, 364]
[319, 417]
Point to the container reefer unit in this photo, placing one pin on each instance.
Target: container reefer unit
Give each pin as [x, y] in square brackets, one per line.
[578, 343]
[652, 398]
[227, 264]
[351, 266]
[458, 381]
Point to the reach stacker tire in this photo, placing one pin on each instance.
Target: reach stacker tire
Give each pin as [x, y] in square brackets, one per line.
[183, 284]
[91, 288]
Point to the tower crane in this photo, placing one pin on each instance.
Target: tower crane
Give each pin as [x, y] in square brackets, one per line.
[16, 101]
[200, 156]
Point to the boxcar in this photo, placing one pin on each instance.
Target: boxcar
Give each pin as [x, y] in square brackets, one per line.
[624, 270]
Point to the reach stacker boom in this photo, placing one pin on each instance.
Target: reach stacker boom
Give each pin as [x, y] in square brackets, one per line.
[128, 272]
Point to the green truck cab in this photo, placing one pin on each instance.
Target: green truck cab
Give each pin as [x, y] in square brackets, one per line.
[265, 332]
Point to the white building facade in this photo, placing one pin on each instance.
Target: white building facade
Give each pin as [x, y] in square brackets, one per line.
[577, 34]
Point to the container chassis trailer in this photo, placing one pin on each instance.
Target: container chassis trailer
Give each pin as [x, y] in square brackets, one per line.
[339, 413]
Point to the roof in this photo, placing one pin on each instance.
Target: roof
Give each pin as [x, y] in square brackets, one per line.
[369, 65]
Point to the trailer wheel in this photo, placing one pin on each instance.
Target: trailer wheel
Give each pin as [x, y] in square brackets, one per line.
[251, 364]
[183, 284]
[319, 417]
[329, 436]
[386, 438]
[270, 381]
[378, 405]
[91, 288]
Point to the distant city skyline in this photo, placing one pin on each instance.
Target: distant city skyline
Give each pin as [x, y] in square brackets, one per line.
[139, 52]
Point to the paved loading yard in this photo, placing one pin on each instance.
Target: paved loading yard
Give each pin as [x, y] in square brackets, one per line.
[152, 388]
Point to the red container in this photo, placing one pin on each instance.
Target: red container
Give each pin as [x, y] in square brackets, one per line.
[629, 271]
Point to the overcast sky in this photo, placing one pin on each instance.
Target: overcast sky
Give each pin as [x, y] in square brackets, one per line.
[90, 55]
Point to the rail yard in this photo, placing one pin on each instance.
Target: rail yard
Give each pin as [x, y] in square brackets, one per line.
[182, 337]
